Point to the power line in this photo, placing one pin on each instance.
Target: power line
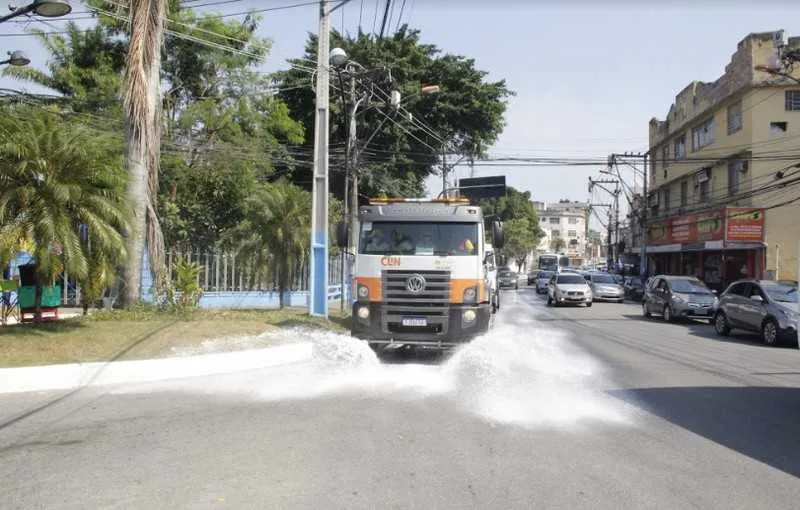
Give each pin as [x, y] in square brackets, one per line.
[385, 15]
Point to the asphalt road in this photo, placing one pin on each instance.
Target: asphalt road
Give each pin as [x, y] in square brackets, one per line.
[556, 408]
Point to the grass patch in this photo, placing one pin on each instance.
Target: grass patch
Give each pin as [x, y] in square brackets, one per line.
[145, 332]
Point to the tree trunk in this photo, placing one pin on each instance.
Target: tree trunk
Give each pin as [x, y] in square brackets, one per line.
[37, 302]
[142, 101]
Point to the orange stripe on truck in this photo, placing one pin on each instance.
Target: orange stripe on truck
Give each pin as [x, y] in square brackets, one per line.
[459, 285]
[372, 283]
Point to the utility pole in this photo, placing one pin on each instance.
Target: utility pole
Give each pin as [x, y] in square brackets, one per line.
[613, 160]
[318, 270]
[613, 224]
[444, 172]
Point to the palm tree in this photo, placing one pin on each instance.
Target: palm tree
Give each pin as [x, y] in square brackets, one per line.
[55, 176]
[142, 108]
[275, 233]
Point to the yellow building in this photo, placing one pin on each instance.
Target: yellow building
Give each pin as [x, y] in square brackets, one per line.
[725, 174]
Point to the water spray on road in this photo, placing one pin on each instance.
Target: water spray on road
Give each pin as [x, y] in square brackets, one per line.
[519, 373]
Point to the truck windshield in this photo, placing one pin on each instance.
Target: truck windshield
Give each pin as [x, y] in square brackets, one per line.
[415, 238]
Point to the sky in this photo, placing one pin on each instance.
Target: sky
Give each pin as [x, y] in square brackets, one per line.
[588, 75]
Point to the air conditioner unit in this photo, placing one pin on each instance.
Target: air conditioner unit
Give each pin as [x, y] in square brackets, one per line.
[702, 176]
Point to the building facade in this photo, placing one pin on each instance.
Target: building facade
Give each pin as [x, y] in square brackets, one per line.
[725, 174]
[566, 220]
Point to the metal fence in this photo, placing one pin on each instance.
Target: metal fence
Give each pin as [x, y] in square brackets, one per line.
[225, 272]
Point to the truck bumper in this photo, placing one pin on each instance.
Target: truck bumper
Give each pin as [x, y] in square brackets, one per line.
[451, 329]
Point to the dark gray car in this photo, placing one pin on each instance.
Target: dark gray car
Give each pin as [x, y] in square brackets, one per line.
[679, 296]
[766, 307]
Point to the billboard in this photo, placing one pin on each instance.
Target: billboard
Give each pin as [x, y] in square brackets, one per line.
[741, 224]
[482, 188]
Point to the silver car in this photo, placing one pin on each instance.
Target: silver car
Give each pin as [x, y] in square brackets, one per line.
[605, 287]
[543, 280]
[679, 296]
[766, 307]
[568, 288]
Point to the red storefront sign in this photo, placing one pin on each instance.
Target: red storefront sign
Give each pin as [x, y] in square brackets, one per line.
[731, 224]
[744, 224]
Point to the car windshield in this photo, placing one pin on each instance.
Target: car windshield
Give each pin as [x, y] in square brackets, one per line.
[570, 279]
[781, 293]
[412, 238]
[603, 278]
[506, 273]
[689, 287]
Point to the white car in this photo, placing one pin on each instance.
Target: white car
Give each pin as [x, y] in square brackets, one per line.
[568, 288]
[542, 281]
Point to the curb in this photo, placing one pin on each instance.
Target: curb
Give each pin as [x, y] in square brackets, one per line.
[76, 375]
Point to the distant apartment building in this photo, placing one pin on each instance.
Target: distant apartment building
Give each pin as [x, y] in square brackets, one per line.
[724, 174]
[566, 220]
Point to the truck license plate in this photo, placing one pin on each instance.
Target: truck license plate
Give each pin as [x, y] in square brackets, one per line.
[414, 321]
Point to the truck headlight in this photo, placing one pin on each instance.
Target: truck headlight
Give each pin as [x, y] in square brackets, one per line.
[470, 294]
[363, 312]
[469, 315]
[363, 291]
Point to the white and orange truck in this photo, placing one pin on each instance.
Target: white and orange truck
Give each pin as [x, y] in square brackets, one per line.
[422, 276]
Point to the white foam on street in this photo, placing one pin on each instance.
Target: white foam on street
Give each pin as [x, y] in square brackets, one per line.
[520, 373]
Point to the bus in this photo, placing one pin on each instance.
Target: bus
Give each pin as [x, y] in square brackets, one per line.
[548, 262]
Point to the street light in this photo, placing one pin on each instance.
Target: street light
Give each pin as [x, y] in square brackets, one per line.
[16, 58]
[44, 8]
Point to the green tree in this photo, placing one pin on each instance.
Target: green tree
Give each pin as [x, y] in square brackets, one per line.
[521, 240]
[521, 223]
[57, 178]
[275, 233]
[224, 130]
[466, 116]
[557, 244]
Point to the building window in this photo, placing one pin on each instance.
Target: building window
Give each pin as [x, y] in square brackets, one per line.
[704, 184]
[555, 233]
[555, 221]
[544, 220]
[778, 128]
[684, 193]
[734, 117]
[665, 194]
[793, 100]
[703, 135]
[665, 158]
[680, 147]
[572, 220]
[573, 242]
[572, 233]
[735, 170]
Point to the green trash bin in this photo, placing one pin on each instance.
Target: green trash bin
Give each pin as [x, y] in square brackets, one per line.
[51, 296]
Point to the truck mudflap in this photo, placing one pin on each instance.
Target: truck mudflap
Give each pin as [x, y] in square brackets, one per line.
[459, 325]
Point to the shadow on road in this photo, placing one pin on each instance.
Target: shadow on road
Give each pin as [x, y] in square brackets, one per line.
[419, 356]
[760, 422]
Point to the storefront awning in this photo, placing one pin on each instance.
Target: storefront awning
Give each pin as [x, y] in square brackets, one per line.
[706, 246]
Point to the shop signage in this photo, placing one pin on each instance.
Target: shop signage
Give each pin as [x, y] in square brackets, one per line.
[730, 224]
[745, 224]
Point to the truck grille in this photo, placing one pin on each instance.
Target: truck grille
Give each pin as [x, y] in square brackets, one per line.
[431, 303]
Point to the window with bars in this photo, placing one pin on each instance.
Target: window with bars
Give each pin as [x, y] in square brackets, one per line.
[792, 100]
[703, 135]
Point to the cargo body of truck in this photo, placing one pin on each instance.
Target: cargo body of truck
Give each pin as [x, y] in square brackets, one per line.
[421, 274]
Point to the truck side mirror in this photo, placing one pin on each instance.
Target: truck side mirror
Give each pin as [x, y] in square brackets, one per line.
[498, 236]
[342, 234]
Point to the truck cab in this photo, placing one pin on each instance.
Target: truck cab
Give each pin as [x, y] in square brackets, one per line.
[421, 274]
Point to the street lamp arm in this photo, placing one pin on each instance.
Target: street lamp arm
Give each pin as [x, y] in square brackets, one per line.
[22, 11]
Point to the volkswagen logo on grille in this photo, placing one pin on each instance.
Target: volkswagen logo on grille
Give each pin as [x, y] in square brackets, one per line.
[415, 283]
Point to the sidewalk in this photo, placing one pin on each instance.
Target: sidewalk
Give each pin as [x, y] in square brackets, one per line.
[76, 375]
